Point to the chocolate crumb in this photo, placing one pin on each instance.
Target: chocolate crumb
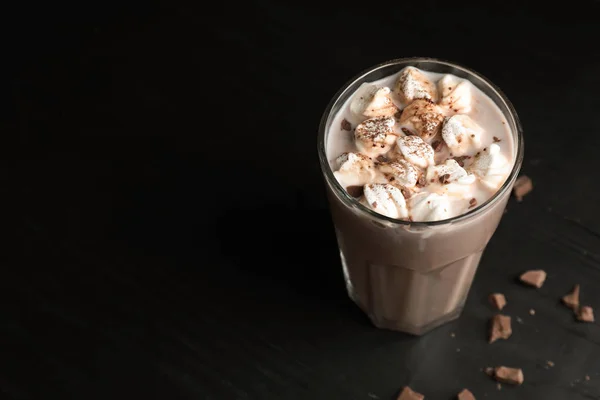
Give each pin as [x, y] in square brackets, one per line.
[550, 363]
[489, 371]
[405, 193]
[346, 125]
[355, 191]
[383, 146]
[382, 158]
[498, 300]
[374, 204]
[392, 179]
[465, 394]
[444, 179]
[433, 180]
[398, 114]
[585, 314]
[571, 300]
[523, 185]
[496, 140]
[437, 145]
[472, 135]
[422, 181]
[472, 202]
[485, 149]
[500, 328]
[513, 376]
[408, 394]
[407, 132]
[459, 139]
[534, 278]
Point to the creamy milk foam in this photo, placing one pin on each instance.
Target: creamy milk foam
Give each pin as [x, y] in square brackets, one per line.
[420, 146]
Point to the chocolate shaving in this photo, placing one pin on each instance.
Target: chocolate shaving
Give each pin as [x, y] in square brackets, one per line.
[355, 191]
[408, 394]
[496, 140]
[585, 314]
[346, 125]
[498, 300]
[523, 185]
[444, 179]
[571, 300]
[461, 160]
[472, 202]
[437, 145]
[534, 278]
[513, 376]
[500, 328]
[466, 395]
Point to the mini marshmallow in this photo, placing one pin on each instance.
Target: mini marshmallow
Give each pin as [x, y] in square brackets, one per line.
[404, 173]
[372, 101]
[429, 207]
[462, 135]
[412, 84]
[355, 169]
[455, 94]
[375, 136]
[490, 166]
[449, 172]
[422, 118]
[416, 151]
[386, 200]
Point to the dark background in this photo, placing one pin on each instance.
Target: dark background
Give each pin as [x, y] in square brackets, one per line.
[172, 238]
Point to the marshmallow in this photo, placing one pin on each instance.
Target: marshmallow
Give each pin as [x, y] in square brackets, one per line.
[416, 151]
[386, 200]
[375, 136]
[372, 101]
[449, 172]
[404, 173]
[355, 169]
[422, 118]
[462, 135]
[455, 94]
[491, 167]
[429, 207]
[412, 84]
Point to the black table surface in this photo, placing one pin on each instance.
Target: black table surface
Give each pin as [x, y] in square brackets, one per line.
[173, 239]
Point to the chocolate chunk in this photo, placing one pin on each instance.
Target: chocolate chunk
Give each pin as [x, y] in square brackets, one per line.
[422, 181]
[496, 140]
[523, 185]
[461, 160]
[585, 314]
[534, 278]
[346, 125]
[472, 202]
[500, 328]
[437, 145]
[498, 300]
[513, 376]
[444, 179]
[355, 191]
[465, 395]
[408, 394]
[571, 300]
[382, 158]
[407, 132]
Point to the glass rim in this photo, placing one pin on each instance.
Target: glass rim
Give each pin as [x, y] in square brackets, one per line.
[351, 201]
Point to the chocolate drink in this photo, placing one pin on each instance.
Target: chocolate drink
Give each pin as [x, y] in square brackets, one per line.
[412, 225]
